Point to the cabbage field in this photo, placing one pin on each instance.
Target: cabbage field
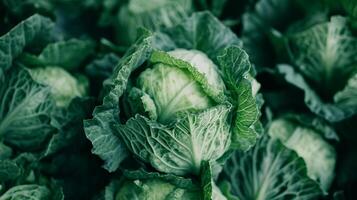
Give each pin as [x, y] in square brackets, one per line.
[178, 99]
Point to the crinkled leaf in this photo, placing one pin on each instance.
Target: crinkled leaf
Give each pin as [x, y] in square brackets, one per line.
[179, 149]
[202, 32]
[98, 130]
[247, 125]
[269, 171]
[35, 30]
[234, 63]
[25, 111]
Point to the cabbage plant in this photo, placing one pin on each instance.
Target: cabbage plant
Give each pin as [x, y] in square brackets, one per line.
[307, 142]
[325, 68]
[312, 48]
[42, 105]
[264, 26]
[46, 76]
[294, 160]
[178, 98]
[150, 99]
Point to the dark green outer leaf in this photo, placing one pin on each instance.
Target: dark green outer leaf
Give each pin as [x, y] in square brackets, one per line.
[102, 67]
[272, 18]
[8, 170]
[150, 15]
[209, 189]
[34, 29]
[66, 54]
[202, 31]
[235, 65]
[105, 144]
[331, 111]
[5, 151]
[25, 111]
[69, 124]
[270, 171]
[206, 181]
[26, 181]
[258, 25]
